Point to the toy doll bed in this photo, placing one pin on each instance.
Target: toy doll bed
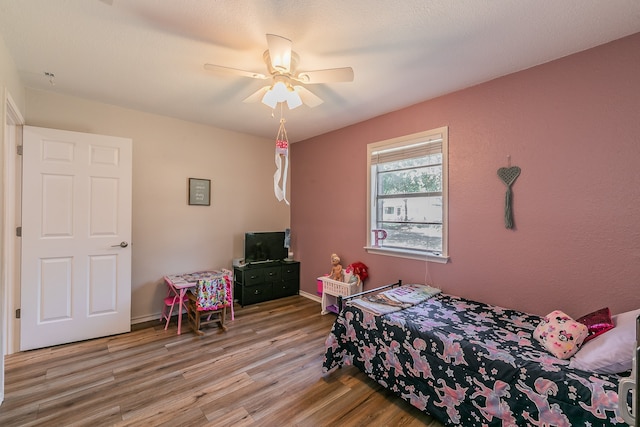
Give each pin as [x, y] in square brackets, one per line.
[470, 364]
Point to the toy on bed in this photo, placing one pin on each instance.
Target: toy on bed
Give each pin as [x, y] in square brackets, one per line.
[474, 364]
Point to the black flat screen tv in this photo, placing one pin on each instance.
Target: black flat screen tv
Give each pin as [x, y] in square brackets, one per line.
[264, 246]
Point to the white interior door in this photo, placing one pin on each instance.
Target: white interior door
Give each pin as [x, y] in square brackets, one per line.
[76, 212]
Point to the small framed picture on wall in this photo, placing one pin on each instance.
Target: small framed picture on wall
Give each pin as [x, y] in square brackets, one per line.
[199, 191]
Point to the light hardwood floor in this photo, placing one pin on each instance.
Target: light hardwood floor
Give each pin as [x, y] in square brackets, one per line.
[266, 370]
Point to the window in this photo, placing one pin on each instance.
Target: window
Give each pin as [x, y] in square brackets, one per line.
[407, 206]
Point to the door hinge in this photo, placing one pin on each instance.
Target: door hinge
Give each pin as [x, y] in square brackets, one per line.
[18, 231]
[17, 313]
[19, 148]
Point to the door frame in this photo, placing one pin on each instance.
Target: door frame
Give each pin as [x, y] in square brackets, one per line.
[10, 260]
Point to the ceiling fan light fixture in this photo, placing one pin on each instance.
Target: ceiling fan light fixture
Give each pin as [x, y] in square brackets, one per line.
[282, 92]
[280, 52]
[269, 99]
[277, 93]
[293, 99]
[281, 63]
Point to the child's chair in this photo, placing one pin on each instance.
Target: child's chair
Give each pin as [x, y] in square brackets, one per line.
[170, 301]
[210, 297]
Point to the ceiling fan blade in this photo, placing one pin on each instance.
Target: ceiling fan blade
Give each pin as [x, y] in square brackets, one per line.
[280, 52]
[234, 71]
[309, 98]
[257, 95]
[331, 75]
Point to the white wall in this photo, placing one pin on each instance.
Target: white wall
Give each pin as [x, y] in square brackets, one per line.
[9, 79]
[169, 236]
[10, 86]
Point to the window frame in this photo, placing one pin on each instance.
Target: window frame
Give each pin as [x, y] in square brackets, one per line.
[438, 133]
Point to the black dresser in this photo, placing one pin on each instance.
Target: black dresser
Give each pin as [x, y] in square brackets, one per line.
[265, 281]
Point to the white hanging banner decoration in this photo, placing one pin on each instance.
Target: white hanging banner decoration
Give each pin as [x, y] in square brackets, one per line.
[282, 150]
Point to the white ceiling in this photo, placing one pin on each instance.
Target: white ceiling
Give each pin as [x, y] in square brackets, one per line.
[149, 54]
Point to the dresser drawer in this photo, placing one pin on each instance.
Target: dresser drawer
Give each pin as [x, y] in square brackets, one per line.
[290, 271]
[253, 277]
[285, 288]
[272, 274]
[259, 293]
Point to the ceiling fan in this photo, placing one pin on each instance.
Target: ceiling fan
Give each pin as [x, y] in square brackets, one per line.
[282, 64]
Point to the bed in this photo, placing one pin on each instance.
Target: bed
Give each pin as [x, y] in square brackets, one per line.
[470, 364]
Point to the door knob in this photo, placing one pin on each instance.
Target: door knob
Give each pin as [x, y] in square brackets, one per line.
[121, 245]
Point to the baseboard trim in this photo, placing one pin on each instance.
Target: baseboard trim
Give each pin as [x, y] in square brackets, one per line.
[313, 297]
[147, 318]
[157, 316]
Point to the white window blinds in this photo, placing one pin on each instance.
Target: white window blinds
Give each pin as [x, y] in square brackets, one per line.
[408, 150]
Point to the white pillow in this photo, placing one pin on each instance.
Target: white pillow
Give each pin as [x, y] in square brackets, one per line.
[611, 352]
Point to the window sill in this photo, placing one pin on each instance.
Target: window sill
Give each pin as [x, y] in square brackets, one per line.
[405, 253]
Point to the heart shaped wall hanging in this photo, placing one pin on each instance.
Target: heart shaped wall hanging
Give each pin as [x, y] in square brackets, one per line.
[508, 176]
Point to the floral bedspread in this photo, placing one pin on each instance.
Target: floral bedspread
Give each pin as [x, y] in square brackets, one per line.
[471, 364]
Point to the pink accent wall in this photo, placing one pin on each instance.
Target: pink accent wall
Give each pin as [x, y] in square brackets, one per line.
[572, 125]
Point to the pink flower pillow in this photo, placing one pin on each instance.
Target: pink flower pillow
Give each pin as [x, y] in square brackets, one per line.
[560, 334]
[597, 322]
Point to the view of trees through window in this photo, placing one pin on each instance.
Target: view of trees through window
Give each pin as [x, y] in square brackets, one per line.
[408, 202]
